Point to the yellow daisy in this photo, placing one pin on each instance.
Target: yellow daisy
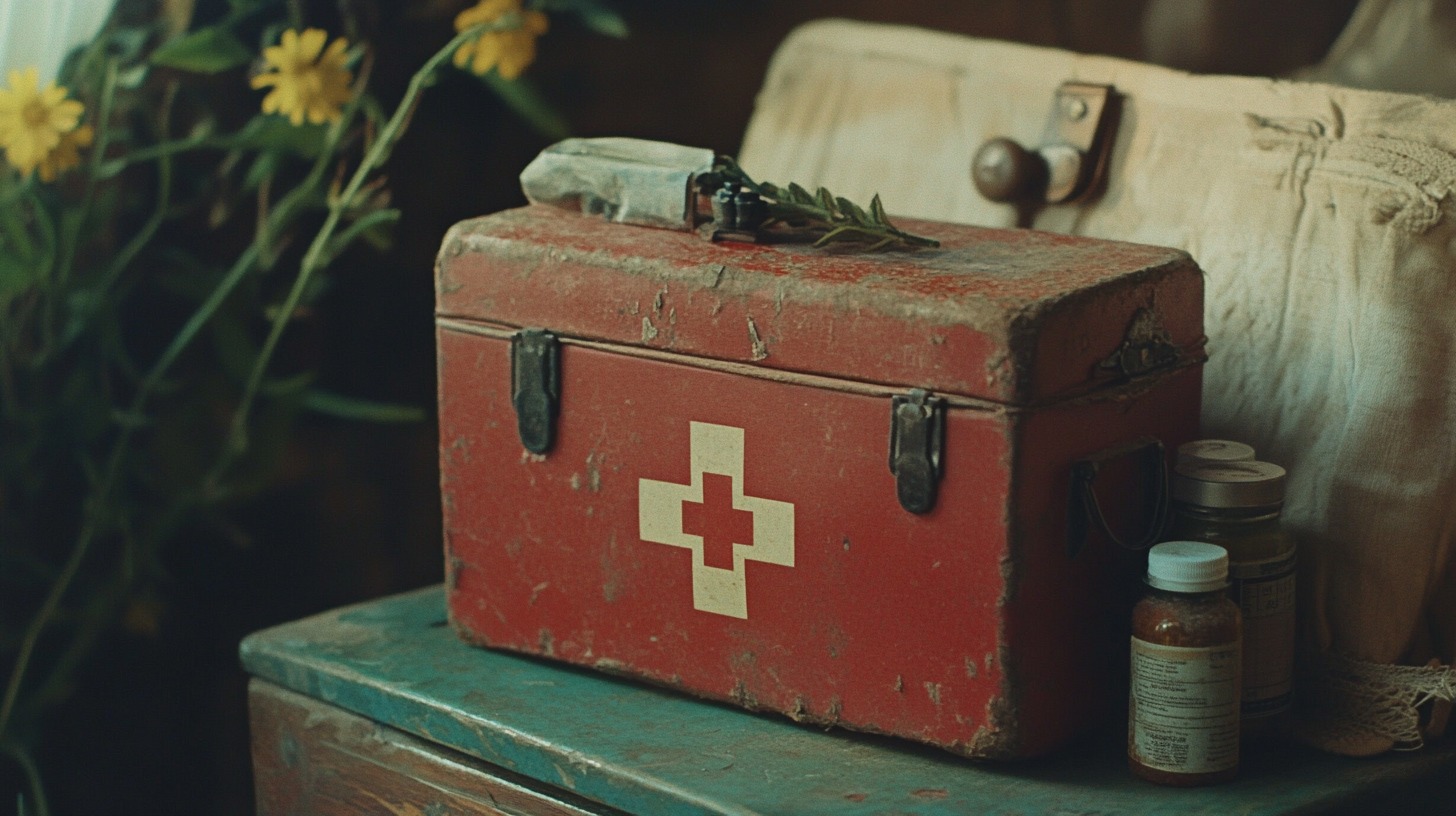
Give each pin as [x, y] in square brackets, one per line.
[508, 51]
[308, 81]
[33, 120]
[66, 154]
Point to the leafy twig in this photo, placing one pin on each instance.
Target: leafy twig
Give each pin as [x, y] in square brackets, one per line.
[840, 218]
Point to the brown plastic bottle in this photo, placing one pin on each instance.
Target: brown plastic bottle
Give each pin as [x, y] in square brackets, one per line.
[1183, 701]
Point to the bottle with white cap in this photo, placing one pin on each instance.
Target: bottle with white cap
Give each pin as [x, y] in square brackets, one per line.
[1183, 701]
[1236, 505]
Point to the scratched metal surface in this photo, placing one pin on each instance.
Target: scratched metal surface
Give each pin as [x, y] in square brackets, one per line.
[649, 751]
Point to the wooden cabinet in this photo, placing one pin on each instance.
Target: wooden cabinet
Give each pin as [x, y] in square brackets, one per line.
[380, 709]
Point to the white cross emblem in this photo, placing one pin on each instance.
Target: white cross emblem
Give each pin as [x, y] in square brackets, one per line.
[712, 517]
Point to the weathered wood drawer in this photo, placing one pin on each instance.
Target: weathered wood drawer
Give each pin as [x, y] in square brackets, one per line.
[313, 758]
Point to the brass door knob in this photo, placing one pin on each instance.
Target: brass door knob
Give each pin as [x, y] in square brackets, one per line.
[1008, 173]
[1067, 166]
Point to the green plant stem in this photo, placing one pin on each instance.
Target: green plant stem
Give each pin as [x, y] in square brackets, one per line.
[72, 234]
[246, 262]
[70, 243]
[144, 234]
[14, 226]
[101, 494]
[32, 777]
[315, 258]
[164, 149]
[8, 402]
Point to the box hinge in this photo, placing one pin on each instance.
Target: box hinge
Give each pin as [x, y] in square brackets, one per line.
[917, 440]
[1147, 347]
[536, 386]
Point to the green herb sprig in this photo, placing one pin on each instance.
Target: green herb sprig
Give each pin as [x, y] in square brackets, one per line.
[841, 219]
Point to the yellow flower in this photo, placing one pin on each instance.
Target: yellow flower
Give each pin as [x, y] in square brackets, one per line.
[306, 83]
[66, 154]
[508, 51]
[33, 121]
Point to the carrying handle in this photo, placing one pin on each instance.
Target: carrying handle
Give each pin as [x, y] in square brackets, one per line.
[1085, 510]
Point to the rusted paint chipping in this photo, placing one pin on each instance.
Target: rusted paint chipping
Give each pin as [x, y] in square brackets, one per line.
[611, 570]
[799, 711]
[932, 690]
[566, 779]
[758, 350]
[1015, 280]
[594, 472]
[741, 696]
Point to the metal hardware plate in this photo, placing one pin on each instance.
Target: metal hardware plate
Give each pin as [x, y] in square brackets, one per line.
[1069, 165]
[917, 441]
[536, 387]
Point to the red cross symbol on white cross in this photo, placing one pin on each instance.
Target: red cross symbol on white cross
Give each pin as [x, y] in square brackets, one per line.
[713, 517]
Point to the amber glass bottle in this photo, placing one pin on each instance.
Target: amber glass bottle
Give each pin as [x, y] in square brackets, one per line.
[1183, 704]
[1236, 506]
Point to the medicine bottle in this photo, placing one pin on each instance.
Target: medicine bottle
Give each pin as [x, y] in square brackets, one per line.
[1213, 451]
[1183, 702]
[1236, 505]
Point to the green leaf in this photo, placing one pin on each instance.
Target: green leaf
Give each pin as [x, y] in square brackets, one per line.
[235, 349]
[289, 386]
[338, 405]
[877, 211]
[206, 51]
[522, 97]
[595, 15]
[276, 133]
[367, 227]
[262, 167]
[852, 211]
[16, 275]
[826, 201]
[836, 234]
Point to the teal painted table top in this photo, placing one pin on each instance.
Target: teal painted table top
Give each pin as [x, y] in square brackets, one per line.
[651, 751]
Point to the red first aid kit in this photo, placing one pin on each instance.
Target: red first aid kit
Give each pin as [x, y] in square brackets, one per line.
[872, 489]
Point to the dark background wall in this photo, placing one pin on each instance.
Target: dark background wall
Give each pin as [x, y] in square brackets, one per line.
[158, 723]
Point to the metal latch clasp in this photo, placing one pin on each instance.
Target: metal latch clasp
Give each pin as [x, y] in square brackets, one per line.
[536, 387]
[917, 442]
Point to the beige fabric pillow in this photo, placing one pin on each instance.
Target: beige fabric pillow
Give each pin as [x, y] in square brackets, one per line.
[1322, 216]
